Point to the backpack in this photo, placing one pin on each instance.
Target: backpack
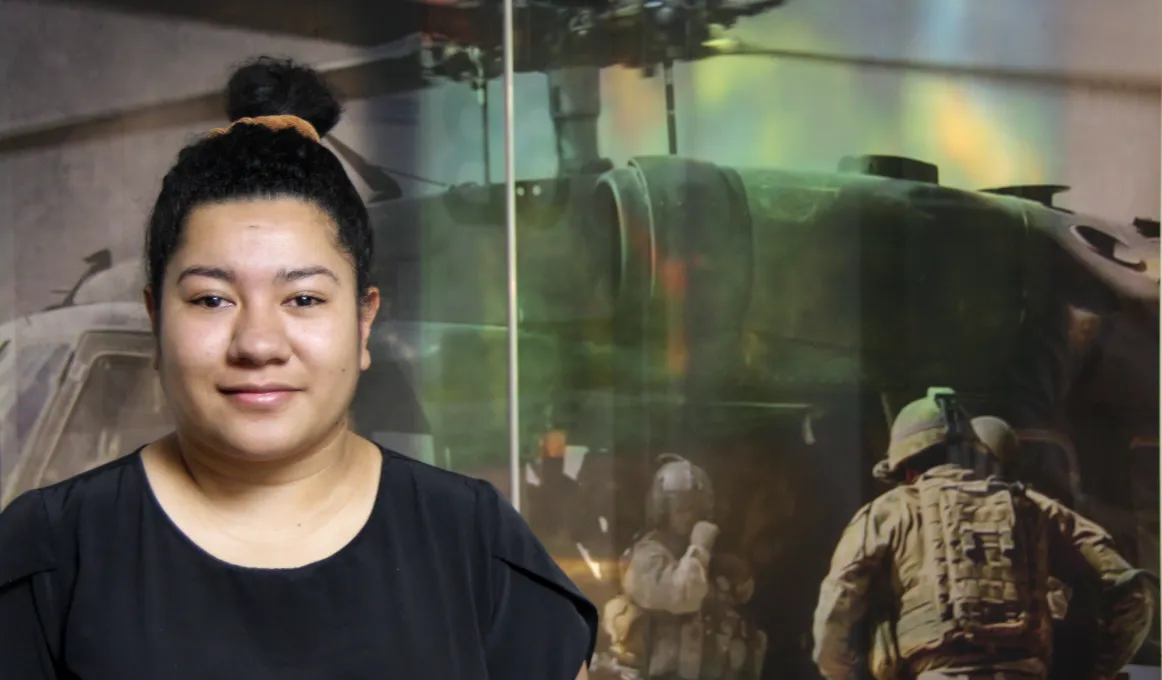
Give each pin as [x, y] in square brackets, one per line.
[984, 571]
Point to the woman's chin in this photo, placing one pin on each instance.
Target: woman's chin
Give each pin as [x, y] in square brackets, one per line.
[264, 445]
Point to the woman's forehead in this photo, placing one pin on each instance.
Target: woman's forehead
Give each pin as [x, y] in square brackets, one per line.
[263, 215]
[280, 238]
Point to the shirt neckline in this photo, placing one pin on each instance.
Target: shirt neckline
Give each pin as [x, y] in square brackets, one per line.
[204, 555]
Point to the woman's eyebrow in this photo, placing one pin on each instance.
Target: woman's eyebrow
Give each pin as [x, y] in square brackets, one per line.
[288, 275]
[283, 275]
[208, 272]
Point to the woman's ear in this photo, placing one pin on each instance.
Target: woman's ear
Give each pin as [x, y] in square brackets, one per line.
[368, 309]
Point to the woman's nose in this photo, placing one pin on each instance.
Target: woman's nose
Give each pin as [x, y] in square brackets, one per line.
[259, 337]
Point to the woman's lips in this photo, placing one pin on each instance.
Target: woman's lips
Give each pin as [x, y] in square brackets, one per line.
[265, 398]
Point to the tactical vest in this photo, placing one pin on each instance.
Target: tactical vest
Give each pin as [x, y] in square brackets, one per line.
[984, 569]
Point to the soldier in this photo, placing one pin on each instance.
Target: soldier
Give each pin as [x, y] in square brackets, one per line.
[677, 617]
[554, 497]
[1000, 440]
[949, 568]
[1072, 631]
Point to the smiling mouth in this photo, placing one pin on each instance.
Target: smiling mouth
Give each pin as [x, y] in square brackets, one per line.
[259, 396]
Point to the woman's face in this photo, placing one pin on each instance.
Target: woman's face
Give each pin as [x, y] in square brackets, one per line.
[261, 337]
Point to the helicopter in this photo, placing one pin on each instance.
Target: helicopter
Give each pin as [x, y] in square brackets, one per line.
[766, 323]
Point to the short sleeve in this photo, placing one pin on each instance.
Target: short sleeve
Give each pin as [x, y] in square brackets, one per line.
[541, 625]
[27, 610]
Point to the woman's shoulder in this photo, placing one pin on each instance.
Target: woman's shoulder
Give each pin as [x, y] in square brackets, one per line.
[25, 538]
[104, 483]
[473, 504]
[513, 549]
[33, 524]
[451, 497]
[446, 503]
[453, 490]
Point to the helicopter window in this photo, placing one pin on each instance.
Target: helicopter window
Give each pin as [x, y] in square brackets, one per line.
[120, 407]
[37, 368]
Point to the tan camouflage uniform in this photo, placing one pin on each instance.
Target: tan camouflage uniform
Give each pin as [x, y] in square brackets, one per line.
[885, 539]
[693, 630]
[964, 563]
[677, 616]
[671, 591]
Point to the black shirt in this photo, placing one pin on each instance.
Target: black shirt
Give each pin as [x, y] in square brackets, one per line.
[444, 581]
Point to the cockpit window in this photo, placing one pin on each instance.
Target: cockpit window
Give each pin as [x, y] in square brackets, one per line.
[39, 368]
[34, 370]
[120, 407]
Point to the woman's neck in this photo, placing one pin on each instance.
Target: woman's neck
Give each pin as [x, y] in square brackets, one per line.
[279, 514]
[305, 479]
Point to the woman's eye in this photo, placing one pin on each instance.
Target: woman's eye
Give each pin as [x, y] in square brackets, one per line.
[210, 301]
[305, 300]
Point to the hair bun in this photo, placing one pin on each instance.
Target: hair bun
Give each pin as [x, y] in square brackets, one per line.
[269, 87]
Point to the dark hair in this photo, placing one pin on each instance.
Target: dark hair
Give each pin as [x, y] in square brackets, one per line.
[254, 161]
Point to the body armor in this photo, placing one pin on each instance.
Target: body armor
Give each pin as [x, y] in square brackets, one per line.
[967, 562]
[984, 574]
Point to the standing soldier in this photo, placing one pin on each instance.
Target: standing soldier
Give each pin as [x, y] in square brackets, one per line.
[949, 569]
[1073, 631]
[1000, 441]
[676, 619]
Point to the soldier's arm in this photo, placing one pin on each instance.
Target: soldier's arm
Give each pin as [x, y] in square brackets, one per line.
[843, 595]
[1083, 551]
[658, 582]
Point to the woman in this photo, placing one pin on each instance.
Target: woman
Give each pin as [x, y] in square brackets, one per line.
[263, 538]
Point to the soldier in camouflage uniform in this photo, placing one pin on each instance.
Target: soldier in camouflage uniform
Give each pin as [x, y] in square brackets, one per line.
[1073, 631]
[1000, 440]
[677, 617]
[948, 570]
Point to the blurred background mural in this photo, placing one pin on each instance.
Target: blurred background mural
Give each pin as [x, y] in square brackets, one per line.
[749, 232]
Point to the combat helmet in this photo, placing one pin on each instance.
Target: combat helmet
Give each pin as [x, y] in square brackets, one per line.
[678, 477]
[998, 437]
[919, 427]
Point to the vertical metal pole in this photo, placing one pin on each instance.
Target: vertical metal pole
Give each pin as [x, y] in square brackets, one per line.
[510, 241]
[671, 111]
[482, 94]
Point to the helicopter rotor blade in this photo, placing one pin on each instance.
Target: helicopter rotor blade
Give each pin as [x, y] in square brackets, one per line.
[375, 76]
[175, 113]
[396, 68]
[358, 22]
[384, 185]
[1140, 85]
